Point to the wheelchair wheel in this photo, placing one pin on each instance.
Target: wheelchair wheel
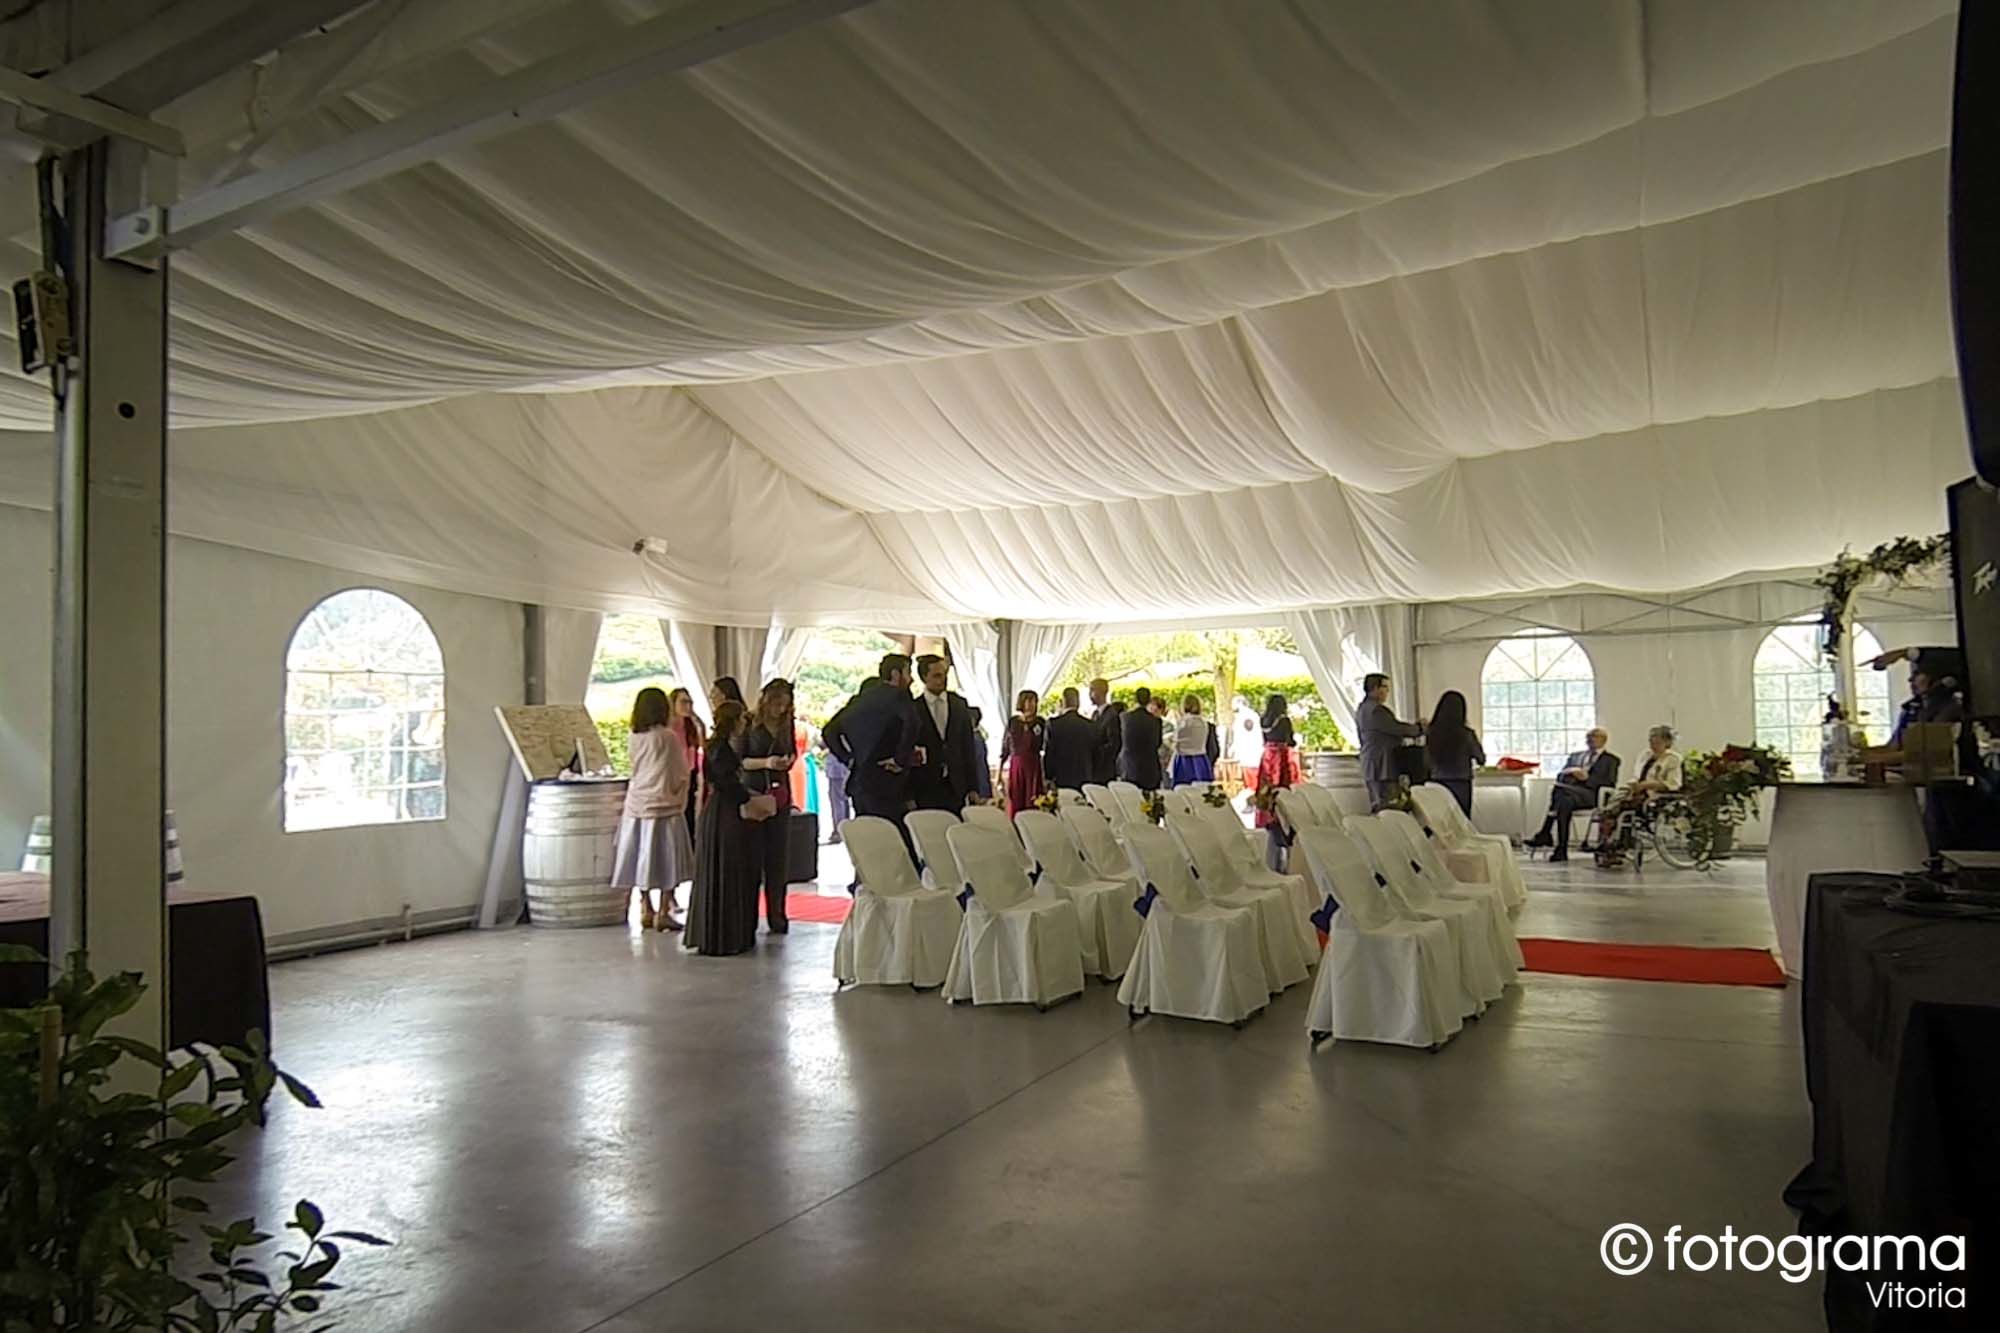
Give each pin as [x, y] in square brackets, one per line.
[1670, 840]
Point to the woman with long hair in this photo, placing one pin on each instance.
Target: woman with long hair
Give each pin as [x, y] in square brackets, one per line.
[694, 737]
[722, 909]
[1277, 769]
[1454, 748]
[724, 689]
[653, 851]
[1021, 752]
[769, 751]
[1196, 746]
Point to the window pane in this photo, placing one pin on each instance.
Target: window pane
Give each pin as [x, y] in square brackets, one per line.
[364, 715]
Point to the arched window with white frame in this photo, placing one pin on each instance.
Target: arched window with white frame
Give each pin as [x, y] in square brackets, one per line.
[1790, 681]
[364, 715]
[1538, 697]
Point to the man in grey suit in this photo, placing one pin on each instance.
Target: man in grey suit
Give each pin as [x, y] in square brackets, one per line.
[1381, 735]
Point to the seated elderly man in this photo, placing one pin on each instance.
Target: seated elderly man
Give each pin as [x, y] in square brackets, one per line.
[1584, 774]
[1660, 773]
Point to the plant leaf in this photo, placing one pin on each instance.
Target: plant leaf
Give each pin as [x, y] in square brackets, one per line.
[300, 1092]
[307, 1218]
[358, 1237]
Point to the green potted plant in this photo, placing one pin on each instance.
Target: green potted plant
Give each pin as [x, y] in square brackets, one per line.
[95, 1178]
[1719, 792]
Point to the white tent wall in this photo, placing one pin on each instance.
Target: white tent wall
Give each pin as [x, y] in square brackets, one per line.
[232, 614]
[1680, 668]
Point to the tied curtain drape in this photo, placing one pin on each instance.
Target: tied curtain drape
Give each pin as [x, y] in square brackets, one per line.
[975, 654]
[1039, 653]
[1342, 644]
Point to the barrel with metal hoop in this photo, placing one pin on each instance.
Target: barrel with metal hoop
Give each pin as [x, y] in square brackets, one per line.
[567, 848]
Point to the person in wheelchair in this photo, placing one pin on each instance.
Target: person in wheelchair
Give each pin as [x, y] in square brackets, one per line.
[1636, 802]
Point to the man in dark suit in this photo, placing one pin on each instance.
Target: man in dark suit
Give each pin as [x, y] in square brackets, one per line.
[948, 775]
[1109, 739]
[1139, 759]
[875, 735]
[1586, 773]
[1069, 752]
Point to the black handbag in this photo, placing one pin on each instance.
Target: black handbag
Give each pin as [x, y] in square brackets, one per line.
[1412, 762]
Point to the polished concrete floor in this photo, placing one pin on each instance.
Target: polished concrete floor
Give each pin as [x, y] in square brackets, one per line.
[592, 1130]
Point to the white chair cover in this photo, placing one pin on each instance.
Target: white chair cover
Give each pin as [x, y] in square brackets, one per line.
[1493, 851]
[1071, 796]
[1105, 913]
[1323, 804]
[1296, 813]
[1247, 857]
[995, 820]
[899, 932]
[1287, 957]
[1196, 959]
[1228, 825]
[1014, 946]
[1102, 801]
[1431, 866]
[1101, 850]
[1480, 956]
[928, 829]
[1384, 978]
[1130, 803]
[1182, 800]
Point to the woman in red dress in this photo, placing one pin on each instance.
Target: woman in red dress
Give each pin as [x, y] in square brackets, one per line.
[1021, 753]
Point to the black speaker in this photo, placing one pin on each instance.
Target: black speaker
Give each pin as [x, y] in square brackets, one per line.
[1975, 229]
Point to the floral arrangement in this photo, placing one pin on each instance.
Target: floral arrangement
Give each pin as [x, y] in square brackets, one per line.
[1155, 806]
[1893, 560]
[1721, 789]
[1265, 800]
[1049, 801]
[1215, 796]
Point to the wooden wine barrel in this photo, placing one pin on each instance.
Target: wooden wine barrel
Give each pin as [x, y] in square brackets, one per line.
[39, 855]
[566, 854]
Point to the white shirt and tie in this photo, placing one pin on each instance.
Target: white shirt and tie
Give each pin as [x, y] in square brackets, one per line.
[940, 707]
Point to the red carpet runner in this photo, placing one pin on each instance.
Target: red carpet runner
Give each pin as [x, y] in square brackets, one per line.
[820, 907]
[1653, 962]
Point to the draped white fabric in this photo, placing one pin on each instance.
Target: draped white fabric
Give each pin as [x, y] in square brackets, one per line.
[975, 651]
[784, 649]
[740, 654]
[1091, 311]
[1318, 634]
[1040, 652]
[693, 649]
[571, 645]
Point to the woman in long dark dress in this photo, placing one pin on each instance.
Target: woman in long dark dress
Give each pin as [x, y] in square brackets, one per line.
[1455, 751]
[722, 915]
[769, 751]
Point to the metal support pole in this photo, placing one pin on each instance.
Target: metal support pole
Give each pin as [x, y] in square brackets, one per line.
[108, 888]
[535, 655]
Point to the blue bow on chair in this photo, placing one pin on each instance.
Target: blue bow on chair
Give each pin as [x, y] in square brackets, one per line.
[1143, 904]
[964, 896]
[1323, 919]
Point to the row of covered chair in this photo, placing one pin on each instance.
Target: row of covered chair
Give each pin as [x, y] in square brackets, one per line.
[1187, 916]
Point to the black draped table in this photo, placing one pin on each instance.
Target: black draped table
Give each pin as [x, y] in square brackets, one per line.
[217, 988]
[1902, 1052]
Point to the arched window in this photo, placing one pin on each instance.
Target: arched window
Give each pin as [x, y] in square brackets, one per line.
[1791, 680]
[1540, 697]
[364, 715]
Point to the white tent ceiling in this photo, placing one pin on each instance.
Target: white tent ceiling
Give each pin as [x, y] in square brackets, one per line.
[1092, 310]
